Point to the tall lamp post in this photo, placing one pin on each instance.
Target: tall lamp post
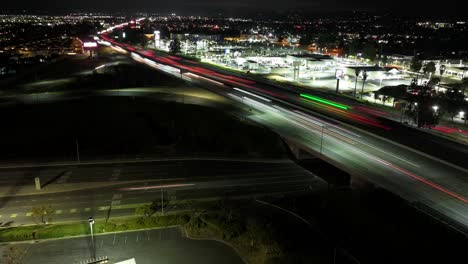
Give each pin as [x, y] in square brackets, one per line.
[91, 223]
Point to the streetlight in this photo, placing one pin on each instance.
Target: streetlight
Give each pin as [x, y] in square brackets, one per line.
[162, 201]
[77, 150]
[91, 223]
[435, 107]
[186, 43]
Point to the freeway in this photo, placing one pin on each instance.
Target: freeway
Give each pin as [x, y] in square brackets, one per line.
[128, 185]
[348, 110]
[428, 182]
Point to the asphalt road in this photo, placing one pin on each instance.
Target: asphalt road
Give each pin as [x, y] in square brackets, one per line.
[429, 182]
[166, 245]
[179, 180]
[357, 114]
[415, 176]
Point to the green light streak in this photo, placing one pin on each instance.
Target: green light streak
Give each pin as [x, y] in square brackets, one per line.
[323, 101]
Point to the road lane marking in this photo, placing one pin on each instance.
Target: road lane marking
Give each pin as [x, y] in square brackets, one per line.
[58, 212]
[29, 214]
[113, 242]
[137, 238]
[414, 176]
[13, 215]
[157, 186]
[72, 210]
[125, 239]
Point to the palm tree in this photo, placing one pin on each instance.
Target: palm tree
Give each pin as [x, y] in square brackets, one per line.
[356, 72]
[364, 78]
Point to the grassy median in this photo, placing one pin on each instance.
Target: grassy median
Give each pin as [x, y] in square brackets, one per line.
[23, 233]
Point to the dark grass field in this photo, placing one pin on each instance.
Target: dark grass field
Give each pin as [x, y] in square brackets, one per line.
[127, 127]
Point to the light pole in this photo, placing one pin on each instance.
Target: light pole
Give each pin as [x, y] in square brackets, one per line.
[77, 150]
[162, 201]
[186, 43]
[91, 223]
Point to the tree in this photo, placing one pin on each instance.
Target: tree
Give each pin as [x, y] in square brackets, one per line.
[42, 213]
[397, 92]
[433, 82]
[452, 108]
[326, 40]
[369, 51]
[174, 46]
[305, 40]
[416, 64]
[385, 59]
[14, 254]
[143, 41]
[352, 47]
[463, 86]
[146, 210]
[429, 68]
[442, 69]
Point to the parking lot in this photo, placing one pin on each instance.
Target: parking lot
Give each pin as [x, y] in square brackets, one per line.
[166, 246]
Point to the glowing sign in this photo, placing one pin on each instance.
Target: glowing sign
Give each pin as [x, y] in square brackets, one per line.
[339, 73]
[157, 37]
[90, 44]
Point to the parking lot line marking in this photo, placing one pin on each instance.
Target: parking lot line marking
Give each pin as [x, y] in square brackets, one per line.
[148, 234]
[13, 215]
[0, 216]
[113, 242]
[125, 239]
[73, 210]
[103, 208]
[87, 209]
[102, 242]
[137, 238]
[58, 212]
[29, 214]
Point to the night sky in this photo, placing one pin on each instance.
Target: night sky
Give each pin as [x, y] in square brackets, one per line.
[239, 7]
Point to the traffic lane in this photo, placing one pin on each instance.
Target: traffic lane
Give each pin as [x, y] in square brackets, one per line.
[166, 245]
[97, 173]
[134, 195]
[380, 173]
[173, 200]
[334, 113]
[396, 160]
[202, 173]
[411, 189]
